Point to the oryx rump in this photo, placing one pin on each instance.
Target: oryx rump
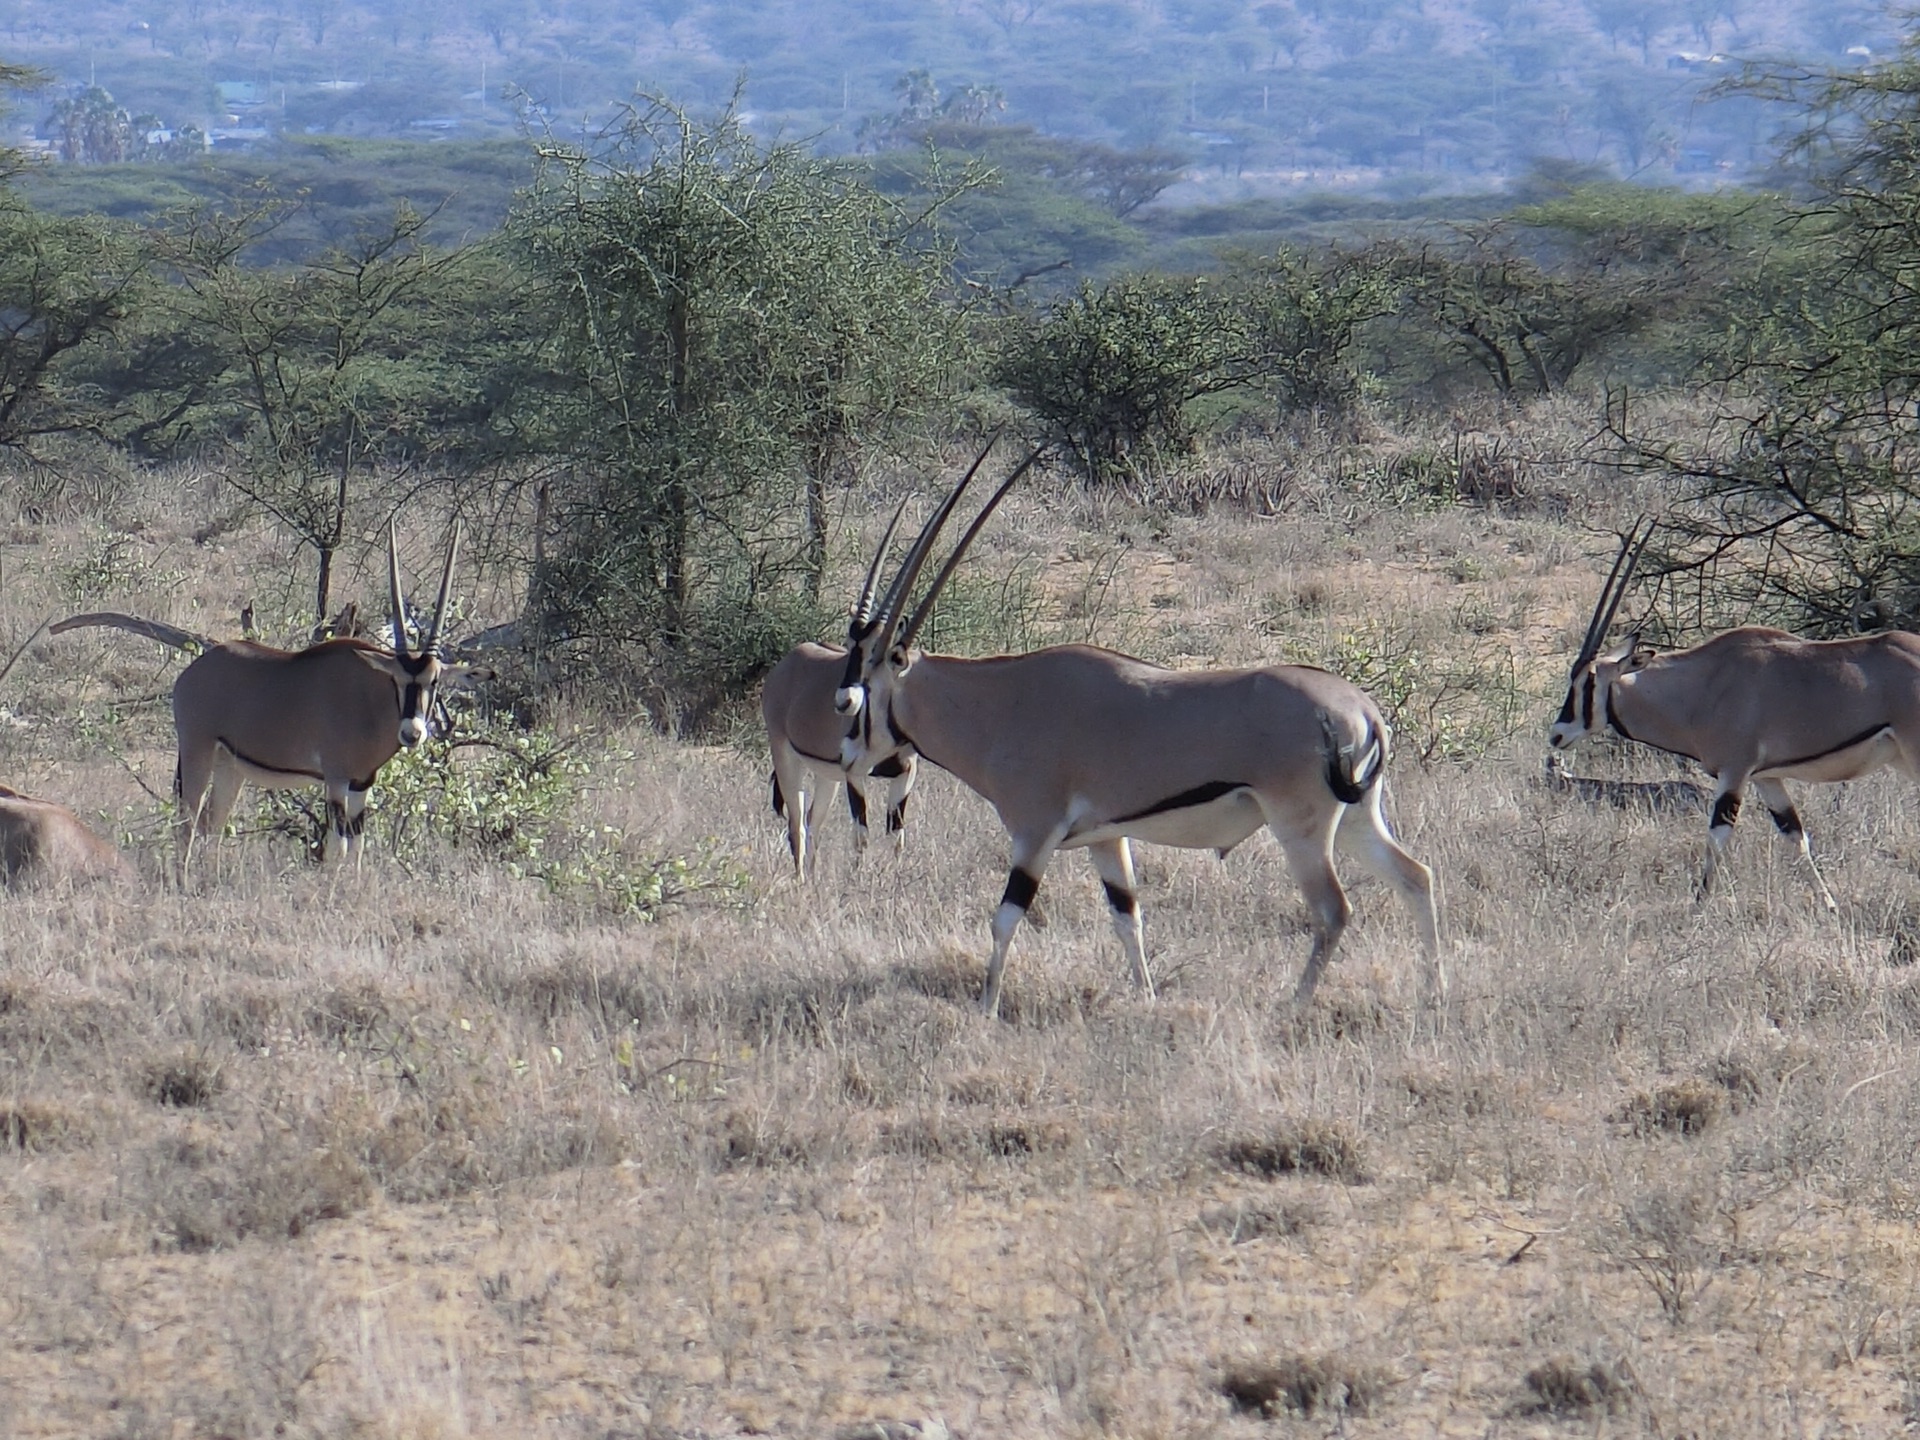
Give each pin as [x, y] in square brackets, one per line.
[1751, 705]
[1082, 748]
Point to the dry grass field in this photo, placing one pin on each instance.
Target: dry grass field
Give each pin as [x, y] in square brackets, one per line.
[423, 1149]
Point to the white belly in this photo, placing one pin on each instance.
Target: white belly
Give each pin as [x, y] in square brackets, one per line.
[1217, 825]
[1876, 752]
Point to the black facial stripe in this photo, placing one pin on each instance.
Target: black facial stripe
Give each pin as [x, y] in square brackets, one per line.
[1586, 701]
[1021, 888]
[1121, 900]
[1726, 811]
[410, 701]
[1786, 821]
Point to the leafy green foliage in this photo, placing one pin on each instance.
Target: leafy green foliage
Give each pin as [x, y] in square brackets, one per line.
[732, 327]
[67, 289]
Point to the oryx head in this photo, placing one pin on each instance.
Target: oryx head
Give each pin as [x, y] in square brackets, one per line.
[421, 673]
[879, 647]
[1590, 684]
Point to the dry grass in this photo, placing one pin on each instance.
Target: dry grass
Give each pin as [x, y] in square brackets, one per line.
[432, 1153]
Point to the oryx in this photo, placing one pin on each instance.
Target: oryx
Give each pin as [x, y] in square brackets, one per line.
[1082, 748]
[804, 733]
[331, 714]
[1750, 705]
[41, 841]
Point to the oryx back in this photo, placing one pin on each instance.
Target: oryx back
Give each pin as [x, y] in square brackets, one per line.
[43, 842]
[319, 714]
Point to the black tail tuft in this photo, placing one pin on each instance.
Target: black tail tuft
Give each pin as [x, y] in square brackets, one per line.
[779, 800]
[1350, 785]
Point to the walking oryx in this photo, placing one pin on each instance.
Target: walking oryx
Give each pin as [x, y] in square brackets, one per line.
[804, 733]
[41, 841]
[332, 714]
[1083, 748]
[1750, 704]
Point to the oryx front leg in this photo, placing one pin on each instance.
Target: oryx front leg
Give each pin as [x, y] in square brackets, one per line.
[1786, 819]
[1363, 833]
[1023, 883]
[346, 819]
[899, 775]
[1726, 814]
[1310, 856]
[1114, 861]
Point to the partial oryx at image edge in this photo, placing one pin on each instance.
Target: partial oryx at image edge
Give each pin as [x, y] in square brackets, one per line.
[1078, 747]
[41, 841]
[1751, 706]
[330, 714]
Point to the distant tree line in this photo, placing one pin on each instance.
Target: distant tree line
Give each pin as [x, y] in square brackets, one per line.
[658, 384]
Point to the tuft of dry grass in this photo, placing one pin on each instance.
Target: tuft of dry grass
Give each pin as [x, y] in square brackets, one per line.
[1307, 1385]
[1565, 1387]
[1305, 1148]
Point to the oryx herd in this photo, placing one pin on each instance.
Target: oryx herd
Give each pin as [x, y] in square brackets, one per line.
[1074, 746]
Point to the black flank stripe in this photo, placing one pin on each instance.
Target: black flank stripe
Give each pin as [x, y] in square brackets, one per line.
[274, 769]
[1200, 795]
[1862, 737]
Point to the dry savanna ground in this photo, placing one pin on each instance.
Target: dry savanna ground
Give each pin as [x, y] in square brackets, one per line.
[429, 1149]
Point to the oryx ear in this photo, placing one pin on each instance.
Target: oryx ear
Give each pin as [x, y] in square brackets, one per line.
[457, 679]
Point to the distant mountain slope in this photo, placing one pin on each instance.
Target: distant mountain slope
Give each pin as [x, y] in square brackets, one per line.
[1260, 93]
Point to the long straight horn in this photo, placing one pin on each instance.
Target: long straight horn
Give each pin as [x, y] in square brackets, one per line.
[909, 571]
[393, 585]
[863, 607]
[925, 607]
[446, 590]
[1614, 591]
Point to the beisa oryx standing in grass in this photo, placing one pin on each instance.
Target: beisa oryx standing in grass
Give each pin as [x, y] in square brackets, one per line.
[1078, 747]
[805, 731]
[1751, 705]
[331, 714]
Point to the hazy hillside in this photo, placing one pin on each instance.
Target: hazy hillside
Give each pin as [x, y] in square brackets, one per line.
[1419, 93]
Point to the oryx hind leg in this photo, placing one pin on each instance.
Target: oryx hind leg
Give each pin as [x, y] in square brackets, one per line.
[899, 775]
[1023, 884]
[1720, 822]
[1786, 819]
[1309, 852]
[1364, 834]
[1114, 861]
[192, 774]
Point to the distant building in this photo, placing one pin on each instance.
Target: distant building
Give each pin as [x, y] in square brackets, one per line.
[237, 93]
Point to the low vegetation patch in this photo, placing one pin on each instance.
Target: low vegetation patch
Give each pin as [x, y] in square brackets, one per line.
[1307, 1148]
[1306, 1385]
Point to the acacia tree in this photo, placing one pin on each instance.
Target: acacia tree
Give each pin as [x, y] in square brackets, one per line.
[1800, 498]
[317, 382]
[731, 327]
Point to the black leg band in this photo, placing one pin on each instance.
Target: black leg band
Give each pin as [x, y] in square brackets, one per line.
[1121, 900]
[1726, 810]
[1021, 888]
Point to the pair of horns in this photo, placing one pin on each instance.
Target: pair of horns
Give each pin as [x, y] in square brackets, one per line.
[887, 617]
[399, 605]
[1611, 594]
